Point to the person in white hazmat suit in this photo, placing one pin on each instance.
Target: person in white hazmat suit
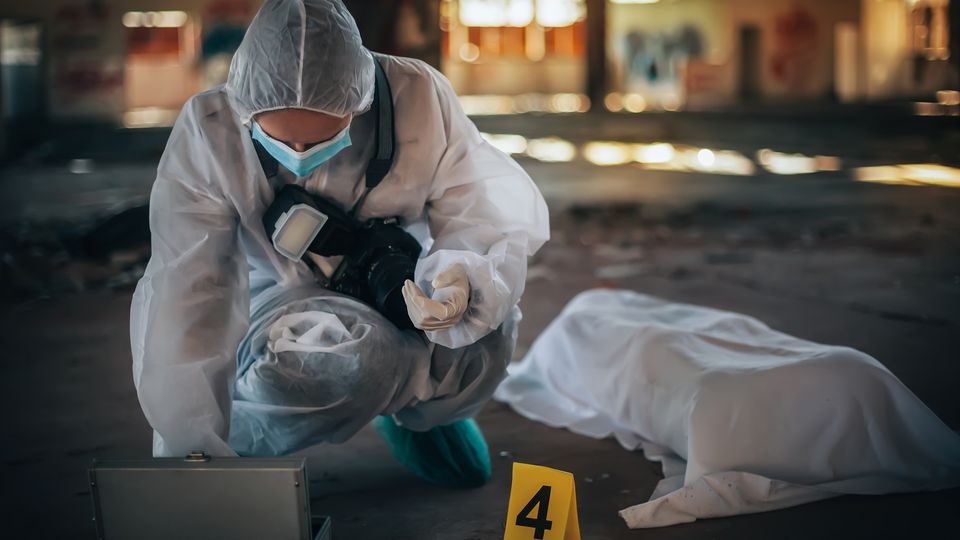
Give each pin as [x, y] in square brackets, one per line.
[238, 349]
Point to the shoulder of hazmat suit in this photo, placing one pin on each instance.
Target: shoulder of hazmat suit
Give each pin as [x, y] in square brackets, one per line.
[212, 263]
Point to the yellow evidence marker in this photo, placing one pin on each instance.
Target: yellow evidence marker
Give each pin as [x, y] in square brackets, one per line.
[543, 505]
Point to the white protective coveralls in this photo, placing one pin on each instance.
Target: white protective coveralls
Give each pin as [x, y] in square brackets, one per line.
[315, 366]
[743, 418]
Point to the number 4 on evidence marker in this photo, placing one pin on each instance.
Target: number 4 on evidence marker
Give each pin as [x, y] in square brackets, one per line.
[552, 494]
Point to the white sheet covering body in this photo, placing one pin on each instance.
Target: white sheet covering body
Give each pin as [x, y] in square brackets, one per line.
[743, 418]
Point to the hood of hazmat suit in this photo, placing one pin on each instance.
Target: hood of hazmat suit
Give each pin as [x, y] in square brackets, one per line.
[214, 274]
[282, 62]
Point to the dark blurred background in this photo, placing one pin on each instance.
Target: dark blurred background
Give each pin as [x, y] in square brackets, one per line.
[795, 160]
[132, 63]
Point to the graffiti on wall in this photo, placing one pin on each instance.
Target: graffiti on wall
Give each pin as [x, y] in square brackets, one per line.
[794, 56]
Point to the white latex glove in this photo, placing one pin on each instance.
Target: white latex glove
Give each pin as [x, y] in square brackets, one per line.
[450, 297]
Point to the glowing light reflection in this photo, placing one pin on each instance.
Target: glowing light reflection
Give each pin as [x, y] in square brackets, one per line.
[706, 157]
[634, 103]
[786, 164]
[565, 103]
[551, 150]
[495, 12]
[608, 153]
[548, 13]
[154, 19]
[508, 143]
[920, 174]
[558, 13]
[948, 97]
[484, 105]
[469, 52]
[613, 102]
[669, 157]
[148, 117]
[654, 153]
[492, 104]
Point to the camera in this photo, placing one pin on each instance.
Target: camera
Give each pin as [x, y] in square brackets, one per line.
[378, 255]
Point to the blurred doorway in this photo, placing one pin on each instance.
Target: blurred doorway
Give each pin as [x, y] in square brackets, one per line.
[749, 84]
[161, 68]
[506, 56]
[23, 104]
[21, 62]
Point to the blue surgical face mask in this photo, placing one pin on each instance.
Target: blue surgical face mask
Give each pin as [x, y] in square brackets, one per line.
[302, 163]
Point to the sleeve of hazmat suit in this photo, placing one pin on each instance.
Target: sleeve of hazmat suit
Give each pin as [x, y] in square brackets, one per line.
[486, 214]
[190, 309]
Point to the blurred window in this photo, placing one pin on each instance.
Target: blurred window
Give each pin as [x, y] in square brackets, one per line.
[160, 70]
[930, 29]
[22, 83]
[510, 29]
[154, 34]
[19, 44]
[153, 42]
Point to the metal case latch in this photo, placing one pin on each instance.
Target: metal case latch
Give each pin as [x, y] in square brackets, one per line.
[196, 457]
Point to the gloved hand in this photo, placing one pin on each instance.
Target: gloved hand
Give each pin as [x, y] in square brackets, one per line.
[450, 297]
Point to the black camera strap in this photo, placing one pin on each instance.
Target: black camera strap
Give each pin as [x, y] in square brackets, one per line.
[382, 109]
[384, 139]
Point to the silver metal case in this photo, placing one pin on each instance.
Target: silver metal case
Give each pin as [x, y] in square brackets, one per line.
[204, 498]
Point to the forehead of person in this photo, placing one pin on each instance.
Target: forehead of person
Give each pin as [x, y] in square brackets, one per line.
[301, 71]
[301, 128]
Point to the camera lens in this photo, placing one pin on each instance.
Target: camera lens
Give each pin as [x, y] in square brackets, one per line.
[387, 275]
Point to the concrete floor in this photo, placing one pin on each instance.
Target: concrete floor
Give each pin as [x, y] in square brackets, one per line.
[872, 267]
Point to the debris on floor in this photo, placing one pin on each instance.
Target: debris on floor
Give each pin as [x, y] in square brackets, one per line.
[60, 257]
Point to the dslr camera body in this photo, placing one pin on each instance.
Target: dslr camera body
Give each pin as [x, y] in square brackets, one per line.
[378, 255]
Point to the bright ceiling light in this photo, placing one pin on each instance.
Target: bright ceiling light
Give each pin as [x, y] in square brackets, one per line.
[557, 13]
[154, 19]
[495, 12]
[520, 12]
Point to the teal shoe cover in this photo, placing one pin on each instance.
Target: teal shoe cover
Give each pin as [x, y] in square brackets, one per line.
[453, 456]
